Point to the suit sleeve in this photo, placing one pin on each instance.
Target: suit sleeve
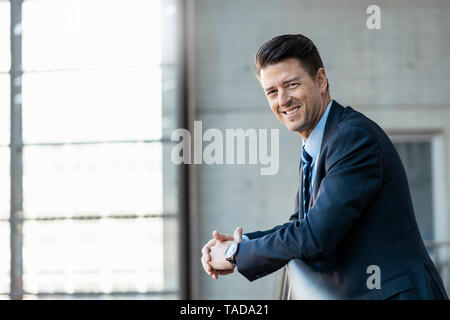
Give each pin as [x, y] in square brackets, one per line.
[353, 177]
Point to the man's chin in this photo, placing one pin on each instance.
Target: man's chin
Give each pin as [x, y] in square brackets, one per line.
[295, 127]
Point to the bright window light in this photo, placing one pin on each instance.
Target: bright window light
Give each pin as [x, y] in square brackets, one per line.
[5, 53]
[4, 109]
[93, 256]
[92, 105]
[83, 180]
[67, 34]
[5, 257]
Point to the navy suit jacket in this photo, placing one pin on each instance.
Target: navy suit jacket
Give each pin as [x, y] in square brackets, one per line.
[360, 214]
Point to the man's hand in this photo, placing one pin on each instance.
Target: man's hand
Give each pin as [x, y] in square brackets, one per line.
[206, 256]
[217, 253]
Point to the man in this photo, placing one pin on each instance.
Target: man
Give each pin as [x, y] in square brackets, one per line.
[353, 208]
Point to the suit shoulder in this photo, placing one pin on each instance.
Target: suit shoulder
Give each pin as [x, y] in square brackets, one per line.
[356, 120]
[354, 130]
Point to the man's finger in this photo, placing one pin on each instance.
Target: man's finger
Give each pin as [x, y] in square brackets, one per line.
[210, 243]
[238, 234]
[221, 236]
[207, 248]
[225, 272]
[205, 263]
[207, 267]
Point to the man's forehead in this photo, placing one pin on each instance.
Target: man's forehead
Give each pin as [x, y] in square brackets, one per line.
[278, 73]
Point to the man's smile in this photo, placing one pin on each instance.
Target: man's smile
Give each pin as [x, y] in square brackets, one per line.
[290, 113]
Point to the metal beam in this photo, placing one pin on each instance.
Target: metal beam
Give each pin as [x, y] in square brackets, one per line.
[183, 170]
[16, 165]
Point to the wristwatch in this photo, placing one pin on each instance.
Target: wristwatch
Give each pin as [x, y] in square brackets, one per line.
[231, 252]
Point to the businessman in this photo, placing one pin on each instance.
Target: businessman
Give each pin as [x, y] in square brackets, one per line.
[353, 208]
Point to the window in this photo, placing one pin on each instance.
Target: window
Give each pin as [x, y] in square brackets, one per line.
[416, 158]
[99, 202]
[423, 156]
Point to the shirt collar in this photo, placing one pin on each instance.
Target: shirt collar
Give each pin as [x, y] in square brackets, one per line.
[314, 141]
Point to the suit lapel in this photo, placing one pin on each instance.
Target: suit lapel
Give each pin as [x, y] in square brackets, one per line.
[331, 126]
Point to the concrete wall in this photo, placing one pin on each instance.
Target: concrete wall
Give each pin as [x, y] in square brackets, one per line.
[398, 76]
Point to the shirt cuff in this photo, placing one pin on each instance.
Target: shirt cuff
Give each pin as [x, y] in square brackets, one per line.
[245, 238]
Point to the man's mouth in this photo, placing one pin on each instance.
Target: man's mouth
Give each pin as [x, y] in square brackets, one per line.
[290, 112]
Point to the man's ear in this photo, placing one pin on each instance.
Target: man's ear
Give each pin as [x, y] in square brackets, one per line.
[321, 78]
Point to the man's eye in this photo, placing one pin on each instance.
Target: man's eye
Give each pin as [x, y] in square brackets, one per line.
[271, 92]
[292, 85]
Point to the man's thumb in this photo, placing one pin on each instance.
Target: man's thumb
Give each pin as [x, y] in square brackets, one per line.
[238, 234]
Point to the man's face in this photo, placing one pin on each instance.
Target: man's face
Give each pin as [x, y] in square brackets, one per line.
[294, 97]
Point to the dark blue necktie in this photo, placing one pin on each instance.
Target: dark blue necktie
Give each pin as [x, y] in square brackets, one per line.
[307, 165]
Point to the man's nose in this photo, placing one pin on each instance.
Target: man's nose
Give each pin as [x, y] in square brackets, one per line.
[284, 99]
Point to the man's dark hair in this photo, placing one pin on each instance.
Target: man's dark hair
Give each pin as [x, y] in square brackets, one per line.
[289, 46]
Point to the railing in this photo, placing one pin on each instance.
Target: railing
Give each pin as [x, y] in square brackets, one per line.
[297, 281]
[440, 254]
[440, 258]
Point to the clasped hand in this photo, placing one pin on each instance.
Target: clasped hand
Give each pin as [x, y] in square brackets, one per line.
[213, 253]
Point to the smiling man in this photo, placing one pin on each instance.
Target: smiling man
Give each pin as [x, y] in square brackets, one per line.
[353, 209]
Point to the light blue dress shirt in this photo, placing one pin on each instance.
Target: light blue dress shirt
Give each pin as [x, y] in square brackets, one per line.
[312, 145]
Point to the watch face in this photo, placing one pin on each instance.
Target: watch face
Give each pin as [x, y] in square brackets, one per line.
[229, 252]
